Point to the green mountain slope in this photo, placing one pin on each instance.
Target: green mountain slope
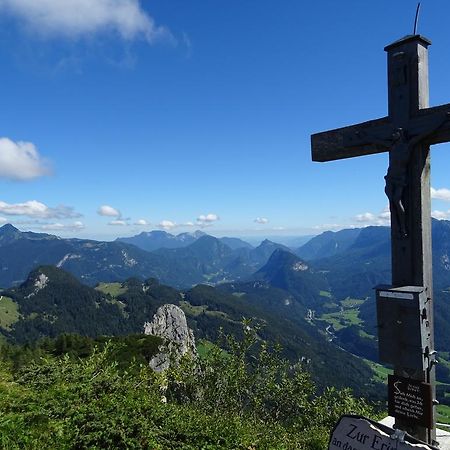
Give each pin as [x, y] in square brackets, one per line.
[52, 302]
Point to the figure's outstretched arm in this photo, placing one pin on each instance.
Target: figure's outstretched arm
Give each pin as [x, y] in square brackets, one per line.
[415, 140]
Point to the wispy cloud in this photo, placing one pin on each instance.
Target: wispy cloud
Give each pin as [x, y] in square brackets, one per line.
[328, 226]
[440, 215]
[63, 226]
[21, 160]
[187, 44]
[119, 223]
[261, 220]
[79, 18]
[440, 194]
[35, 209]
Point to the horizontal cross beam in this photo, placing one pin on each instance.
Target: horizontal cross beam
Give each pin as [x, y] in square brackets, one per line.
[344, 142]
[361, 139]
[424, 118]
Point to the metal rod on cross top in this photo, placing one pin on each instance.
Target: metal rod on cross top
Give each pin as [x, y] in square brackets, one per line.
[416, 19]
[407, 133]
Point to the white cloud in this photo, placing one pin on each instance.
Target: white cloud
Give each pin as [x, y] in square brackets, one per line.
[188, 224]
[328, 226]
[167, 225]
[118, 222]
[66, 226]
[440, 194]
[21, 160]
[370, 219]
[206, 220]
[261, 220]
[33, 208]
[440, 215]
[3, 220]
[366, 217]
[142, 222]
[108, 211]
[78, 18]
[385, 214]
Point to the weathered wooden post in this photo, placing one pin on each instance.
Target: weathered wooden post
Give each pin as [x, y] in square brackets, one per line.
[407, 132]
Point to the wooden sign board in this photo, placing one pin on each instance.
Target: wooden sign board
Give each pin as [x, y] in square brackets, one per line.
[410, 400]
[360, 433]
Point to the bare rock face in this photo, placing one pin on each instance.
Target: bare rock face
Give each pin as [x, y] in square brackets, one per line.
[170, 324]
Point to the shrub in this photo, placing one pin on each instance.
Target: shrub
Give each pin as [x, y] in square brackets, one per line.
[246, 397]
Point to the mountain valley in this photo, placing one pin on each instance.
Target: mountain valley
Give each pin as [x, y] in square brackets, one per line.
[316, 301]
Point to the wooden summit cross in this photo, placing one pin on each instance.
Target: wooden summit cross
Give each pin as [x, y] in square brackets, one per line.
[407, 133]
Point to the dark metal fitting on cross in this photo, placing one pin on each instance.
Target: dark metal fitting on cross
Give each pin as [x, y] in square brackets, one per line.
[434, 362]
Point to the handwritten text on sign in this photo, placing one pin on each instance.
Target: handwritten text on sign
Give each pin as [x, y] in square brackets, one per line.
[353, 433]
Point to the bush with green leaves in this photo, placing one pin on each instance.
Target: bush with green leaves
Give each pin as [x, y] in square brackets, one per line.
[241, 396]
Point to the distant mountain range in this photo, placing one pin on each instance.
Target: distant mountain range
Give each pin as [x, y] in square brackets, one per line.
[353, 260]
[154, 240]
[197, 258]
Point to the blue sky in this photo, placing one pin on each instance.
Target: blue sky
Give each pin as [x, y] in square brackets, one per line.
[120, 116]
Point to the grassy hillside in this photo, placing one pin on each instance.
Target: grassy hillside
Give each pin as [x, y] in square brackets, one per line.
[9, 312]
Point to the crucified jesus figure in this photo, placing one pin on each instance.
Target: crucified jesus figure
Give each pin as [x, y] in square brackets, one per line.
[401, 145]
[397, 174]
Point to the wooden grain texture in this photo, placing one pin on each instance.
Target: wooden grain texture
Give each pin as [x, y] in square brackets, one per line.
[337, 144]
[427, 117]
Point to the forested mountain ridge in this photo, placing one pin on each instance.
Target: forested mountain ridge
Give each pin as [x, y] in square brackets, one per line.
[327, 244]
[52, 302]
[361, 258]
[365, 262]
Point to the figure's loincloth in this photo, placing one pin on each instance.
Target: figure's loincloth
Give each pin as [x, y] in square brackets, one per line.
[395, 180]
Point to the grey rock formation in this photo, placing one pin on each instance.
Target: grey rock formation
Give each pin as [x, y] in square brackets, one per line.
[170, 324]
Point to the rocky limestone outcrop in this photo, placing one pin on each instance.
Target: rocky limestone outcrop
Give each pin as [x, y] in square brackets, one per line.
[170, 324]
